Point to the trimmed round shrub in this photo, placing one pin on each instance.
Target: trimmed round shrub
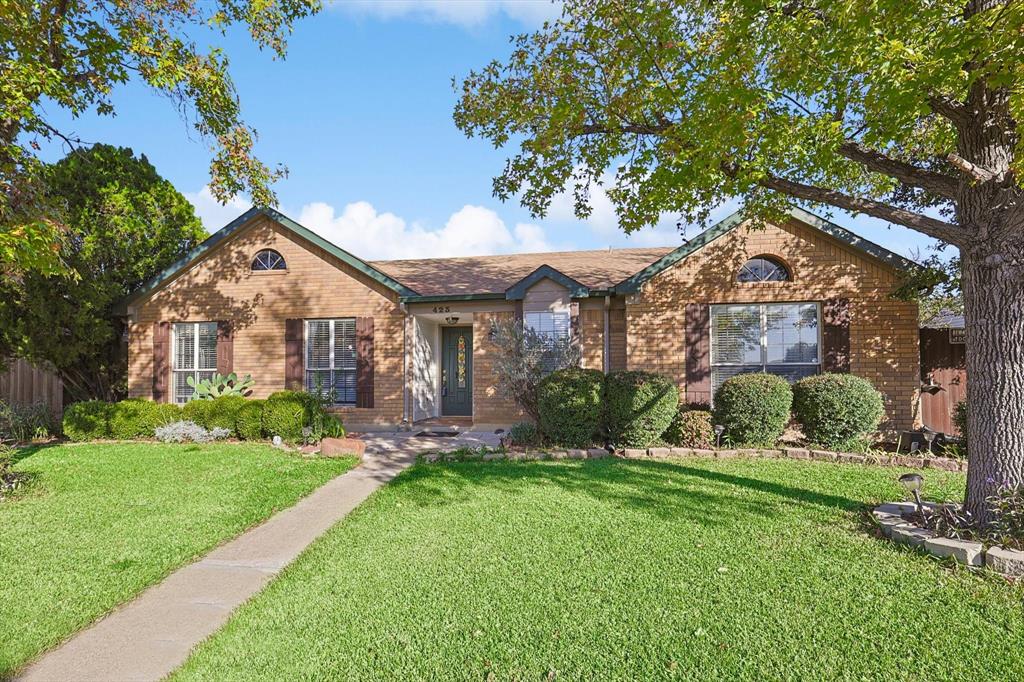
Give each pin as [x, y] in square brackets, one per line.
[524, 434]
[133, 418]
[639, 407]
[197, 411]
[691, 429]
[753, 408]
[223, 412]
[837, 410]
[286, 413]
[87, 420]
[569, 401]
[249, 420]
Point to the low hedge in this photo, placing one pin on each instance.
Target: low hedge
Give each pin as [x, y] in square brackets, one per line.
[87, 420]
[286, 413]
[139, 418]
[639, 406]
[216, 413]
[249, 420]
[837, 411]
[690, 429]
[753, 408]
[569, 401]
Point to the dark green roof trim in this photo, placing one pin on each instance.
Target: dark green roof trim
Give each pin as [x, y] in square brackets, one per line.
[449, 298]
[517, 291]
[632, 284]
[240, 222]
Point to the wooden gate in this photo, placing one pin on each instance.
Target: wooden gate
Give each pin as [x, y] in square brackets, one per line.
[24, 384]
[944, 368]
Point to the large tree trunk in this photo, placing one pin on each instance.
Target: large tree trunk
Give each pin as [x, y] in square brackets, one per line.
[993, 287]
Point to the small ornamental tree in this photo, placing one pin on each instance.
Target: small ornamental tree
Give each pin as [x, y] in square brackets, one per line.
[524, 358]
[909, 111]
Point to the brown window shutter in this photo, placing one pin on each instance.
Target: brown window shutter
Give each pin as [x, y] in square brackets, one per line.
[835, 335]
[293, 356]
[519, 310]
[574, 321]
[364, 362]
[161, 361]
[698, 352]
[225, 348]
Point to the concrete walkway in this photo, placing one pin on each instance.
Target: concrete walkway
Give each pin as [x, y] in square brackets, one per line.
[150, 637]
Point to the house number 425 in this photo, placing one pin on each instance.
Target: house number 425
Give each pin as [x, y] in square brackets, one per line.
[442, 309]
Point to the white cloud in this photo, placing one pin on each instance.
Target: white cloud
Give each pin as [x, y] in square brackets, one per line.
[603, 222]
[213, 215]
[470, 231]
[465, 13]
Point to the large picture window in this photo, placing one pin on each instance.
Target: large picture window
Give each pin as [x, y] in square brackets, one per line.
[331, 358]
[777, 338]
[195, 355]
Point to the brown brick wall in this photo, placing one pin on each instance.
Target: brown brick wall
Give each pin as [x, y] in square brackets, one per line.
[489, 406]
[883, 331]
[316, 285]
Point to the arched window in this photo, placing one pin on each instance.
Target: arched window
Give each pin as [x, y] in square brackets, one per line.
[763, 269]
[268, 259]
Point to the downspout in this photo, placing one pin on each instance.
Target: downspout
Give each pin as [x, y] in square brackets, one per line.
[607, 334]
[404, 426]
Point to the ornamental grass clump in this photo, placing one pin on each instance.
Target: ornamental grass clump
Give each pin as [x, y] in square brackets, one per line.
[837, 411]
[639, 406]
[753, 408]
[570, 406]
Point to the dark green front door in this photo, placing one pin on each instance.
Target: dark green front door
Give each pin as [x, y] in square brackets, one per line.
[456, 371]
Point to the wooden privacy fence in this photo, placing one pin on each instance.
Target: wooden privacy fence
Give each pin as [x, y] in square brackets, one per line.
[944, 368]
[24, 384]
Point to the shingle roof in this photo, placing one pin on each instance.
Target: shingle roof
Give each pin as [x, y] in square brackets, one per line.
[601, 269]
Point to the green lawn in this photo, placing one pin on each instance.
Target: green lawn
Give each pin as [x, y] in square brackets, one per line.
[711, 569]
[101, 522]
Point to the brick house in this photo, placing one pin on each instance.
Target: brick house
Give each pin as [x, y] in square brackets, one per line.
[406, 341]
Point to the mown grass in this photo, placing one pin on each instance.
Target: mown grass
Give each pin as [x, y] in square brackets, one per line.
[100, 522]
[710, 569]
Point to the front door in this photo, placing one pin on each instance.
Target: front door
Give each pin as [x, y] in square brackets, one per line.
[456, 371]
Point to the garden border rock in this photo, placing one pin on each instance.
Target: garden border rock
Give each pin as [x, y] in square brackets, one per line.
[893, 523]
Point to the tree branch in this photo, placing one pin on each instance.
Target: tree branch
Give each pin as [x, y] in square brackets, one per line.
[939, 229]
[909, 174]
[948, 108]
[974, 172]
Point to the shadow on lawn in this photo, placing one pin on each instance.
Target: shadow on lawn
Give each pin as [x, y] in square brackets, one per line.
[663, 489]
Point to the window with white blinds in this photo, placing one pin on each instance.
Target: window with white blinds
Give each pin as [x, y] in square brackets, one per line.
[777, 338]
[331, 359]
[195, 355]
[553, 325]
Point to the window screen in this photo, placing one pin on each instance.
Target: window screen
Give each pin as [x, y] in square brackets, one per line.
[778, 338]
[195, 355]
[550, 324]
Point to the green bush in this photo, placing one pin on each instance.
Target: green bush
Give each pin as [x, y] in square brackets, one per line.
[330, 427]
[960, 419]
[690, 429]
[131, 419]
[249, 420]
[569, 401]
[87, 420]
[524, 434]
[223, 412]
[286, 413]
[639, 407]
[198, 411]
[753, 408]
[837, 411]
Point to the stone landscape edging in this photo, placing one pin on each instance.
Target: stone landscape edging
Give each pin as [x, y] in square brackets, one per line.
[893, 523]
[906, 461]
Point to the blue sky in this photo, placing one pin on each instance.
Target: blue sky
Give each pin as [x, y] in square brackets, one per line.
[361, 113]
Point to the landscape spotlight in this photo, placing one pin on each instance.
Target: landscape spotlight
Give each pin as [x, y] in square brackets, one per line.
[719, 429]
[914, 483]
